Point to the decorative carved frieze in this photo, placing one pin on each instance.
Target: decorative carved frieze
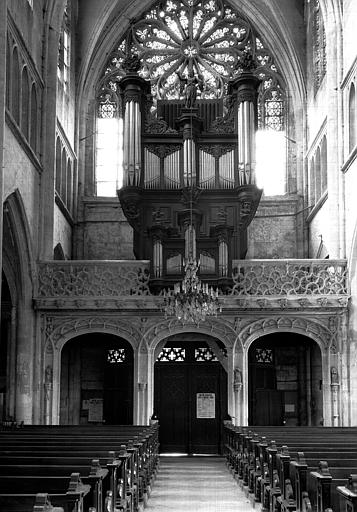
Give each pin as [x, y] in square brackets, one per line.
[217, 150]
[319, 278]
[157, 126]
[66, 327]
[81, 279]
[163, 150]
[309, 327]
[256, 285]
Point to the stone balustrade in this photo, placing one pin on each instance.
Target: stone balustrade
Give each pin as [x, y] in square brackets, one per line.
[289, 277]
[93, 278]
[255, 284]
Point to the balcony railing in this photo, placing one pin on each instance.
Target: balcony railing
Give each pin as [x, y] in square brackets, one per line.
[91, 278]
[256, 283]
[289, 277]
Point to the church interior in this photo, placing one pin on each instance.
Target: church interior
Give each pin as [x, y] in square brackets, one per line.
[178, 227]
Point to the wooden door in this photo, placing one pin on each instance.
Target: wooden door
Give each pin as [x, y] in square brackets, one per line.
[265, 400]
[268, 407]
[118, 386]
[190, 401]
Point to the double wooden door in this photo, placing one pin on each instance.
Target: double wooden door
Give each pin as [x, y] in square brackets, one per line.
[191, 403]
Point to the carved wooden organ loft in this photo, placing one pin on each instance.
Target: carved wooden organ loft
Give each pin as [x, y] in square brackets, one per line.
[183, 170]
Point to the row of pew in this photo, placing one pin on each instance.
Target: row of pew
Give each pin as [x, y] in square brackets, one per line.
[288, 469]
[77, 468]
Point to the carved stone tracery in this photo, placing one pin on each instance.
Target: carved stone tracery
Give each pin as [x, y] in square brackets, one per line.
[92, 280]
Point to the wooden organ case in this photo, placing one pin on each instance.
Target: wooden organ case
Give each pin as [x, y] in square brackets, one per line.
[190, 165]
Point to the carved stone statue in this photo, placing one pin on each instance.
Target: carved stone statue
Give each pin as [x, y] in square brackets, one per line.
[190, 86]
[131, 63]
[334, 375]
[247, 62]
[237, 379]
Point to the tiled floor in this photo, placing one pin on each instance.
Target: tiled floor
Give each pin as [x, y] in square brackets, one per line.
[197, 484]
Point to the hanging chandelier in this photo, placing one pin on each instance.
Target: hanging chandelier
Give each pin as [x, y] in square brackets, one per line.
[191, 300]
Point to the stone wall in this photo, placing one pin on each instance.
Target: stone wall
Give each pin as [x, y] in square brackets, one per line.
[273, 232]
[62, 233]
[105, 234]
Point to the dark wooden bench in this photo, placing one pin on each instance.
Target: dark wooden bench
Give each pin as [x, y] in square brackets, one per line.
[281, 480]
[18, 493]
[131, 467]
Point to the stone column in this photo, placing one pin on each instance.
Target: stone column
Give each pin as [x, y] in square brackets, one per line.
[3, 29]
[24, 365]
[335, 385]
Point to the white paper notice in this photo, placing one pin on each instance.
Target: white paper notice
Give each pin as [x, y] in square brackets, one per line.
[206, 405]
[95, 410]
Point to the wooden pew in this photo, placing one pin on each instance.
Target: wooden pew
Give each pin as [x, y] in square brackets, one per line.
[134, 465]
[283, 483]
[18, 493]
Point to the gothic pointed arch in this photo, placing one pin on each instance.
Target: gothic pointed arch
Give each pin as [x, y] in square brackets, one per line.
[58, 329]
[307, 327]
[159, 331]
[17, 244]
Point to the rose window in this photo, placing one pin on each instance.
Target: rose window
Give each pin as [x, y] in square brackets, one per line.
[176, 39]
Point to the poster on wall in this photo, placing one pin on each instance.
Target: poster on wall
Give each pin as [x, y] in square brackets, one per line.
[206, 405]
[95, 409]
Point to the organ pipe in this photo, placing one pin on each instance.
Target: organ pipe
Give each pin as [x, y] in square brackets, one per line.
[134, 90]
[246, 86]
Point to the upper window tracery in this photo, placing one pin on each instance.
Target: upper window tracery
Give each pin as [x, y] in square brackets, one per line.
[179, 37]
[172, 42]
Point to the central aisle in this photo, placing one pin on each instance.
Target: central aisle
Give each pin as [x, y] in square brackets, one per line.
[202, 484]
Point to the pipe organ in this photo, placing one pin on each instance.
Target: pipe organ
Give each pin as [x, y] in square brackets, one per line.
[190, 165]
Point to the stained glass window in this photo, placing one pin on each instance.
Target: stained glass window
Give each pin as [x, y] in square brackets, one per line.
[204, 354]
[319, 45]
[172, 355]
[264, 355]
[178, 37]
[64, 50]
[178, 40]
[116, 355]
[109, 148]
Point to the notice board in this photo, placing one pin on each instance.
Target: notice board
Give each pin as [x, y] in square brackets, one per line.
[206, 405]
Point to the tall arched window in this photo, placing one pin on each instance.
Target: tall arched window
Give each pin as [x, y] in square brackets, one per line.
[352, 118]
[69, 193]
[34, 119]
[271, 140]
[109, 146]
[312, 197]
[64, 50]
[25, 102]
[174, 40]
[319, 45]
[64, 176]
[58, 165]
[8, 74]
[15, 80]
[324, 165]
[318, 174]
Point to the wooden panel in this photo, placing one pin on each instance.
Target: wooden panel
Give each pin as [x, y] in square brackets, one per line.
[171, 393]
[176, 388]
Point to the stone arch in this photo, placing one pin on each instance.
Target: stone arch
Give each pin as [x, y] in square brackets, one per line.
[156, 334]
[311, 329]
[62, 329]
[59, 330]
[317, 332]
[20, 271]
[268, 20]
[215, 328]
[17, 223]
